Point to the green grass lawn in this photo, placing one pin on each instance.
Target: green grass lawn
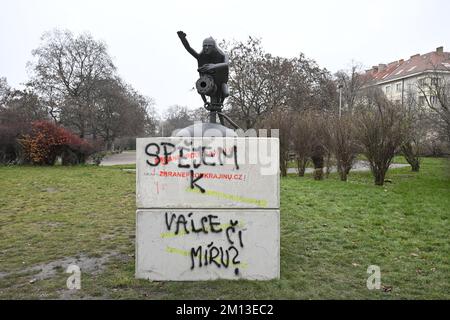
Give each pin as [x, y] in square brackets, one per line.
[331, 232]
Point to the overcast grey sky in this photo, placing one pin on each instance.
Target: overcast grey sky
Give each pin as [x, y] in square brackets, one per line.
[141, 35]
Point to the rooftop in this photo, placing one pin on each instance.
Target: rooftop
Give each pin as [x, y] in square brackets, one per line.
[432, 61]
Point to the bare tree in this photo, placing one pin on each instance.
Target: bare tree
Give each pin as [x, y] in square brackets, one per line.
[65, 71]
[260, 82]
[416, 130]
[247, 80]
[114, 112]
[5, 90]
[176, 117]
[200, 114]
[381, 132]
[352, 82]
[309, 86]
[25, 106]
[17, 110]
[151, 119]
[312, 92]
[139, 114]
[435, 92]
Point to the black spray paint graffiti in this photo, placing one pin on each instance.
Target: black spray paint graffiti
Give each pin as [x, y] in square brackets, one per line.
[163, 153]
[202, 256]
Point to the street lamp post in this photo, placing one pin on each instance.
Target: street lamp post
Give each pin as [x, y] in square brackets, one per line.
[340, 99]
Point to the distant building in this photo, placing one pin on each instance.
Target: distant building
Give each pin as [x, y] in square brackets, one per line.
[411, 78]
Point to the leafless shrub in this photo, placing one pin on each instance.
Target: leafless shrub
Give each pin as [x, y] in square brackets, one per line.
[282, 119]
[381, 132]
[319, 143]
[343, 143]
[301, 139]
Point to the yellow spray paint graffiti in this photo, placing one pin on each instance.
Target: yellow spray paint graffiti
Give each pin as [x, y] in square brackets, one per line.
[260, 203]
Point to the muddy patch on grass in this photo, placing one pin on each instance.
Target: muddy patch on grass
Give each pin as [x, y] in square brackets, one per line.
[91, 265]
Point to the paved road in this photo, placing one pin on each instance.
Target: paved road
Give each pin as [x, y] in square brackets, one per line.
[126, 157]
[129, 157]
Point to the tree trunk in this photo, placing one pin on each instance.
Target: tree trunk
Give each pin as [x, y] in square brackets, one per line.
[283, 167]
[318, 167]
[318, 173]
[109, 141]
[342, 171]
[248, 124]
[81, 158]
[411, 157]
[379, 175]
[414, 161]
[328, 165]
[82, 132]
[301, 166]
[68, 157]
[108, 144]
[348, 168]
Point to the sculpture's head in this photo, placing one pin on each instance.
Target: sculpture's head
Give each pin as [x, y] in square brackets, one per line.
[209, 45]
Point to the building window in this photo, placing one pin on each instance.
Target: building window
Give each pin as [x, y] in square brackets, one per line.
[388, 89]
[435, 81]
[422, 82]
[422, 101]
[410, 87]
[433, 100]
[398, 87]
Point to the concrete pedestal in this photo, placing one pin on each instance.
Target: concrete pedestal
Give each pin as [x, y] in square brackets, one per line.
[182, 245]
[208, 208]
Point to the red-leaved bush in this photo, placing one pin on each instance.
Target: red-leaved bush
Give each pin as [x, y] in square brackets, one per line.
[47, 141]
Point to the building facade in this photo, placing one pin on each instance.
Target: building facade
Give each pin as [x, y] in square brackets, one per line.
[416, 78]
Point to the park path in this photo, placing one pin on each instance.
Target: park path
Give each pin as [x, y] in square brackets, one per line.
[125, 157]
[129, 157]
[359, 165]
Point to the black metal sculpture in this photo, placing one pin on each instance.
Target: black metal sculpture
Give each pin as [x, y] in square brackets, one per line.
[213, 69]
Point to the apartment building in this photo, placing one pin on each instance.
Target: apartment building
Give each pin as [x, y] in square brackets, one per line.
[414, 77]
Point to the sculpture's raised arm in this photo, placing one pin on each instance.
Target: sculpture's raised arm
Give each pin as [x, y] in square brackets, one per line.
[186, 45]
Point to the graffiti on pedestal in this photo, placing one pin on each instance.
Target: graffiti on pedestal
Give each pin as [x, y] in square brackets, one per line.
[163, 153]
[209, 253]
